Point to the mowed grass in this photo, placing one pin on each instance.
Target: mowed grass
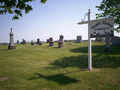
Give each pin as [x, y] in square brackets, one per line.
[52, 68]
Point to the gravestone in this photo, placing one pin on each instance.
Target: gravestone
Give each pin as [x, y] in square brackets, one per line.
[60, 42]
[32, 43]
[96, 39]
[38, 40]
[23, 41]
[11, 44]
[17, 41]
[40, 43]
[47, 41]
[107, 43]
[116, 40]
[51, 42]
[79, 39]
[111, 39]
[65, 40]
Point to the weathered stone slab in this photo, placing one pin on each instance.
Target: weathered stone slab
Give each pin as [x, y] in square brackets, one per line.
[79, 39]
[116, 40]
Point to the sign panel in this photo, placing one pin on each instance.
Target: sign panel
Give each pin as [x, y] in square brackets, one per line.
[102, 28]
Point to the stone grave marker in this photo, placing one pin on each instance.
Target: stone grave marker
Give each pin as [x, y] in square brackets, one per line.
[17, 41]
[51, 42]
[38, 40]
[79, 39]
[23, 41]
[60, 42]
[111, 39]
[96, 39]
[107, 45]
[47, 41]
[11, 44]
[116, 40]
[40, 43]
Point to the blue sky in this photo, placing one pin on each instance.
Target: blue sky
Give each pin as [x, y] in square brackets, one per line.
[51, 19]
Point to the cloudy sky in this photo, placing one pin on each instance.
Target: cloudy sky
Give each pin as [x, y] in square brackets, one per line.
[51, 19]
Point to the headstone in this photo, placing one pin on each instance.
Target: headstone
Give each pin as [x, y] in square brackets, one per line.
[60, 42]
[111, 39]
[11, 44]
[79, 39]
[47, 41]
[107, 43]
[51, 42]
[38, 40]
[23, 41]
[116, 40]
[40, 43]
[32, 42]
[96, 39]
[65, 40]
[17, 41]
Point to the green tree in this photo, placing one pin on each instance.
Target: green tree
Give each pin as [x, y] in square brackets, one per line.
[110, 8]
[16, 7]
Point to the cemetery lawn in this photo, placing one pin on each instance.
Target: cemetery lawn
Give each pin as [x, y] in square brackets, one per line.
[51, 68]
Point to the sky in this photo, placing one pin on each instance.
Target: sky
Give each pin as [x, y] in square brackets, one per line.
[51, 19]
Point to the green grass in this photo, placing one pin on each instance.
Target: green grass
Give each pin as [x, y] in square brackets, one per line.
[51, 68]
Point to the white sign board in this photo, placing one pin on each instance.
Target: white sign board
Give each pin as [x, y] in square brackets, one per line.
[102, 28]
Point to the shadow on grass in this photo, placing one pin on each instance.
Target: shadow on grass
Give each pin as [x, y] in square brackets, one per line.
[98, 49]
[81, 61]
[59, 78]
[73, 61]
[99, 60]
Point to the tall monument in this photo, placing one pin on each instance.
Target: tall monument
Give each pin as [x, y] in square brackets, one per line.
[11, 44]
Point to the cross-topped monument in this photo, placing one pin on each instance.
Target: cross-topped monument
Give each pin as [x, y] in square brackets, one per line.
[11, 44]
[97, 28]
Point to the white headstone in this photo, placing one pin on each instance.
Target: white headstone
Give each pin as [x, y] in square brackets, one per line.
[11, 44]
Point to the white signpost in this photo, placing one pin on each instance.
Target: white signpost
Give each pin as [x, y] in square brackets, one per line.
[98, 28]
